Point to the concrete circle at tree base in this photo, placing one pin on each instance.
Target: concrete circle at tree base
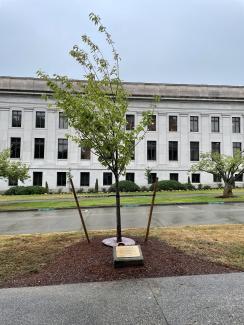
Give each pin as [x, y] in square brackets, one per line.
[112, 242]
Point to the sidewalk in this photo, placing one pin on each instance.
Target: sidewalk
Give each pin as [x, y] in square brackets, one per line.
[201, 300]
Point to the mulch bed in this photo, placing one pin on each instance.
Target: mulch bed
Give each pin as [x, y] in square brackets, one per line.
[83, 262]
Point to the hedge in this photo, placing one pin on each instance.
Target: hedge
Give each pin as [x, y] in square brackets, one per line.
[26, 190]
[125, 186]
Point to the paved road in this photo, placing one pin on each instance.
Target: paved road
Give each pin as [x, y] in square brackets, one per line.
[104, 218]
[205, 299]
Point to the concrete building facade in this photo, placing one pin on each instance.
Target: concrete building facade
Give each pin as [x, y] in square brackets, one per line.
[189, 119]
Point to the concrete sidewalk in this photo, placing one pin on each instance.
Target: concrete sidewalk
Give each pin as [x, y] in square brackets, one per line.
[206, 299]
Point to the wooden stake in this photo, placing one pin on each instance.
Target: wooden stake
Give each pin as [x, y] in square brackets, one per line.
[79, 209]
[151, 208]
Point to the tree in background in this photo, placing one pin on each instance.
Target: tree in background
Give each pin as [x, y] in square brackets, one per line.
[227, 168]
[96, 108]
[12, 169]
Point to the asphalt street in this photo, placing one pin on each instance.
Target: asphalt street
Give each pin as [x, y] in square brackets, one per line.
[104, 218]
[187, 300]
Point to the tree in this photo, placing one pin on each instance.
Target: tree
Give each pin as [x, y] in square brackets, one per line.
[227, 168]
[96, 107]
[12, 169]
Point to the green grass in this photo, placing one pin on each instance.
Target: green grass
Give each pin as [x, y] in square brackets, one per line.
[161, 198]
[26, 254]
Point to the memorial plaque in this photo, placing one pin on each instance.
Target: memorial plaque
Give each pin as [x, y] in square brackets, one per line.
[127, 251]
[127, 256]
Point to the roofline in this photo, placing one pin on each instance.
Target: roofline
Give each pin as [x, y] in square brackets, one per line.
[140, 83]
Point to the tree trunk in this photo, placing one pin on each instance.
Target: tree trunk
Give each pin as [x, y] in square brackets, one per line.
[118, 216]
[228, 190]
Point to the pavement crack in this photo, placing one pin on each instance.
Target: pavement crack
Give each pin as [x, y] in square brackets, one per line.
[160, 307]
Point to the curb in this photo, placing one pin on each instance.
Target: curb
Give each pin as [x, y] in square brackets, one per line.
[123, 206]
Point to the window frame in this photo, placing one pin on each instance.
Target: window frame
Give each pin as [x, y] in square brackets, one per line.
[34, 183]
[106, 179]
[39, 149]
[87, 177]
[16, 149]
[61, 174]
[194, 154]
[63, 149]
[215, 121]
[151, 150]
[194, 121]
[152, 127]
[171, 149]
[129, 178]
[130, 125]
[18, 118]
[173, 125]
[194, 175]
[62, 121]
[40, 120]
[236, 127]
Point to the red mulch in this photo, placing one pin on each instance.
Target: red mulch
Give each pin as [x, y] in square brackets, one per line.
[83, 262]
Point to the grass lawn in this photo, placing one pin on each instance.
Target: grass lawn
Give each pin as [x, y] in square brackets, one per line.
[25, 254]
[66, 201]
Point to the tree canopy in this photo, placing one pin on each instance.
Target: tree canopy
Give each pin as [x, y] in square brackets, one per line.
[12, 169]
[227, 168]
[96, 107]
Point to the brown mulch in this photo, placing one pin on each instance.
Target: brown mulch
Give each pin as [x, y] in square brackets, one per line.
[83, 262]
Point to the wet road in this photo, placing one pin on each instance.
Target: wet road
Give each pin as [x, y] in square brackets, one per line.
[104, 218]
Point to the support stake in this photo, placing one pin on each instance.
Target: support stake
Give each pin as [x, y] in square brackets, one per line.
[151, 208]
[79, 209]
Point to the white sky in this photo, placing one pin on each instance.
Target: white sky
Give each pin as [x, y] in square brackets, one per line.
[172, 41]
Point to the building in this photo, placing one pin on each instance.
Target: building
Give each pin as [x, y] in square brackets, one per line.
[189, 119]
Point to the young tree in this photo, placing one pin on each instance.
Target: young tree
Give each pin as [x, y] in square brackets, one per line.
[227, 168]
[12, 169]
[96, 108]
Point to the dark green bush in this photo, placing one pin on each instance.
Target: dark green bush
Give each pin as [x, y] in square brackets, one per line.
[125, 186]
[26, 190]
[206, 187]
[144, 189]
[189, 186]
[169, 185]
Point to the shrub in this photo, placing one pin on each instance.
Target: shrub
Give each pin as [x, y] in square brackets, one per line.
[104, 190]
[91, 190]
[169, 185]
[26, 190]
[96, 186]
[189, 186]
[199, 186]
[206, 187]
[144, 189]
[125, 186]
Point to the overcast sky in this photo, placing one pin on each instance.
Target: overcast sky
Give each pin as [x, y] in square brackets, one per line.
[169, 41]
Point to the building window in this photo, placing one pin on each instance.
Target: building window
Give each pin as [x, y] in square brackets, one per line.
[194, 150]
[236, 124]
[173, 123]
[16, 119]
[217, 178]
[236, 147]
[85, 153]
[194, 124]
[107, 179]
[85, 179]
[62, 148]
[61, 179]
[15, 147]
[63, 121]
[173, 150]
[174, 176]
[37, 178]
[40, 119]
[152, 178]
[151, 150]
[39, 148]
[12, 181]
[130, 119]
[152, 125]
[215, 124]
[130, 177]
[195, 178]
[215, 147]
[239, 178]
